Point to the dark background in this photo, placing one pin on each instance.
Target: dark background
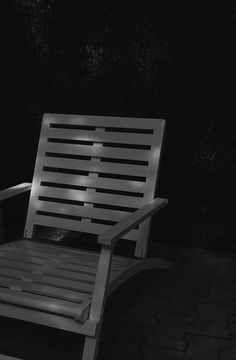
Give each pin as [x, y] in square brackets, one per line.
[174, 60]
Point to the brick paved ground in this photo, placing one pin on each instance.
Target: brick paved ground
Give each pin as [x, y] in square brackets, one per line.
[188, 313]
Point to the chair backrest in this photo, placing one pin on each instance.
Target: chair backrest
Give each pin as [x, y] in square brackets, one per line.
[92, 171]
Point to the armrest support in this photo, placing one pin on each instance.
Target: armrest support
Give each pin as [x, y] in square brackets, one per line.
[110, 236]
[14, 190]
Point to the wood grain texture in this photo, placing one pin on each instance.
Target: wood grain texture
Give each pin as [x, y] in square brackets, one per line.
[14, 190]
[86, 163]
[118, 230]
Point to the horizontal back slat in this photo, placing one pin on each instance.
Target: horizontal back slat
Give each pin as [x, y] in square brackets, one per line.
[78, 225]
[48, 280]
[99, 167]
[106, 137]
[101, 121]
[92, 171]
[93, 182]
[103, 151]
[91, 197]
[81, 211]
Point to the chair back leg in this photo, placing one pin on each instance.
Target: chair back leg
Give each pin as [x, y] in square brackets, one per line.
[90, 348]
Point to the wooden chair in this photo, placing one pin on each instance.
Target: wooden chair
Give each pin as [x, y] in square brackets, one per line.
[93, 175]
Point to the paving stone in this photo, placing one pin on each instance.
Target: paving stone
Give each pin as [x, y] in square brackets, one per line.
[232, 319]
[170, 331]
[120, 349]
[228, 354]
[222, 292]
[211, 321]
[166, 284]
[162, 353]
[233, 334]
[184, 300]
[145, 309]
[226, 269]
[204, 348]
[139, 332]
[159, 285]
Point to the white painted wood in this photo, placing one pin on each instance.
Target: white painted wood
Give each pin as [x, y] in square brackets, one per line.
[104, 151]
[79, 226]
[98, 136]
[118, 230]
[48, 270]
[90, 348]
[52, 277]
[118, 278]
[110, 137]
[43, 303]
[79, 265]
[101, 281]
[100, 167]
[48, 280]
[64, 251]
[46, 290]
[151, 188]
[14, 190]
[94, 182]
[103, 121]
[56, 321]
[84, 196]
[29, 224]
[81, 211]
[98, 302]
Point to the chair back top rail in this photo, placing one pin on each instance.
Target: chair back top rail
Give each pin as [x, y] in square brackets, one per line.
[92, 171]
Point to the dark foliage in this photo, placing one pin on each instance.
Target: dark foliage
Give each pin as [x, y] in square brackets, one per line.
[174, 60]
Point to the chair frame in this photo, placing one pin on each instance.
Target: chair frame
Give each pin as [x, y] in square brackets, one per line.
[104, 285]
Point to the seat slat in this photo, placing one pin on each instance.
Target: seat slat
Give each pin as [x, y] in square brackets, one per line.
[70, 253]
[103, 121]
[106, 136]
[47, 290]
[80, 266]
[95, 151]
[91, 197]
[47, 270]
[52, 320]
[78, 226]
[47, 280]
[47, 255]
[82, 211]
[40, 302]
[93, 182]
[49, 249]
[99, 167]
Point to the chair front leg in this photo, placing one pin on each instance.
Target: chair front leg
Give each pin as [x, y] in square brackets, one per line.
[98, 302]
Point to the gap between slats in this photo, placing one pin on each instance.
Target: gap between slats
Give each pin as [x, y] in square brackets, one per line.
[48, 280]
[103, 152]
[44, 290]
[94, 197]
[79, 226]
[103, 121]
[105, 137]
[94, 182]
[99, 167]
[48, 271]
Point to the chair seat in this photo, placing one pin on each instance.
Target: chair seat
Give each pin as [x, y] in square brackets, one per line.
[50, 279]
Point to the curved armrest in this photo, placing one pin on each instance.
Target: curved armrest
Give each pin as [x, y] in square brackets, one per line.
[14, 190]
[110, 236]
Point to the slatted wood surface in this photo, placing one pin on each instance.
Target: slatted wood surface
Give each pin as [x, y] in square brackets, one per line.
[92, 171]
[37, 279]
